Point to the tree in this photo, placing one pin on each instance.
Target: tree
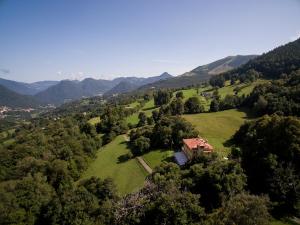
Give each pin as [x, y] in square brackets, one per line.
[216, 182]
[270, 156]
[193, 105]
[179, 94]
[177, 107]
[140, 145]
[217, 81]
[214, 106]
[242, 209]
[155, 115]
[142, 119]
[260, 106]
[162, 97]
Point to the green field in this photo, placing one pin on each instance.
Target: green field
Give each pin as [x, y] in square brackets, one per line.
[134, 104]
[156, 157]
[148, 105]
[94, 120]
[133, 119]
[128, 175]
[218, 127]
[244, 88]
[147, 109]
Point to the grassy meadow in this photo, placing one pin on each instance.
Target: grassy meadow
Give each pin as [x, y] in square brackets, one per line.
[95, 120]
[128, 175]
[156, 157]
[218, 127]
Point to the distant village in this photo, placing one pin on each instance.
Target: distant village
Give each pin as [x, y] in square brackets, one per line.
[6, 111]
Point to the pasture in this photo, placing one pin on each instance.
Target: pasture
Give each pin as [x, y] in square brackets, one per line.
[218, 127]
[128, 175]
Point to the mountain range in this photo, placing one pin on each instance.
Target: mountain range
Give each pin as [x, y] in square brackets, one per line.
[202, 73]
[14, 100]
[27, 88]
[59, 92]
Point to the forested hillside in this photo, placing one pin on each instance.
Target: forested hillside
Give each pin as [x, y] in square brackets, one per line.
[13, 99]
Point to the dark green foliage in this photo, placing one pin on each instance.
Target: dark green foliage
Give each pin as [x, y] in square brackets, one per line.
[279, 96]
[142, 119]
[216, 182]
[177, 107]
[270, 155]
[162, 97]
[155, 115]
[274, 64]
[193, 105]
[112, 123]
[281, 60]
[140, 145]
[214, 106]
[242, 209]
[217, 81]
[179, 94]
[102, 189]
[230, 102]
[168, 132]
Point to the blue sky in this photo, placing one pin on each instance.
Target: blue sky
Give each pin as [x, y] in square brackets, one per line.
[70, 39]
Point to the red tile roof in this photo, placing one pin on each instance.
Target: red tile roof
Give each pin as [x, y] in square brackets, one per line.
[193, 143]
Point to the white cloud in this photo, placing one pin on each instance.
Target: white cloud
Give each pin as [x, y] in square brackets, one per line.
[77, 76]
[295, 37]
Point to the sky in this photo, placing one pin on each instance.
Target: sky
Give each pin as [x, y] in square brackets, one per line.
[74, 39]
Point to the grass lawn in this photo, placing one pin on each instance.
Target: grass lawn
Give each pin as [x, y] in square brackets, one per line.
[147, 109]
[133, 105]
[94, 120]
[245, 88]
[218, 127]
[128, 176]
[133, 119]
[148, 105]
[156, 157]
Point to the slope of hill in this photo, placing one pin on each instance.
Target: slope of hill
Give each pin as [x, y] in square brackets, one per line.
[12, 99]
[201, 73]
[127, 84]
[122, 87]
[26, 88]
[18, 87]
[42, 85]
[222, 65]
[64, 91]
[273, 64]
[68, 90]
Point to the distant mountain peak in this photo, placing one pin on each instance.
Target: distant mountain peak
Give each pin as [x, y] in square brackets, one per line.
[166, 74]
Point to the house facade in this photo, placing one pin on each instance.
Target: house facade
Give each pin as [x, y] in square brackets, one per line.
[191, 148]
[194, 146]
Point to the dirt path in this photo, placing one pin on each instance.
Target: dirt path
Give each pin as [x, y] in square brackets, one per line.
[144, 164]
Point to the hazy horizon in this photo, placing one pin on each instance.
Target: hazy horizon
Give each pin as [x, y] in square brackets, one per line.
[56, 40]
